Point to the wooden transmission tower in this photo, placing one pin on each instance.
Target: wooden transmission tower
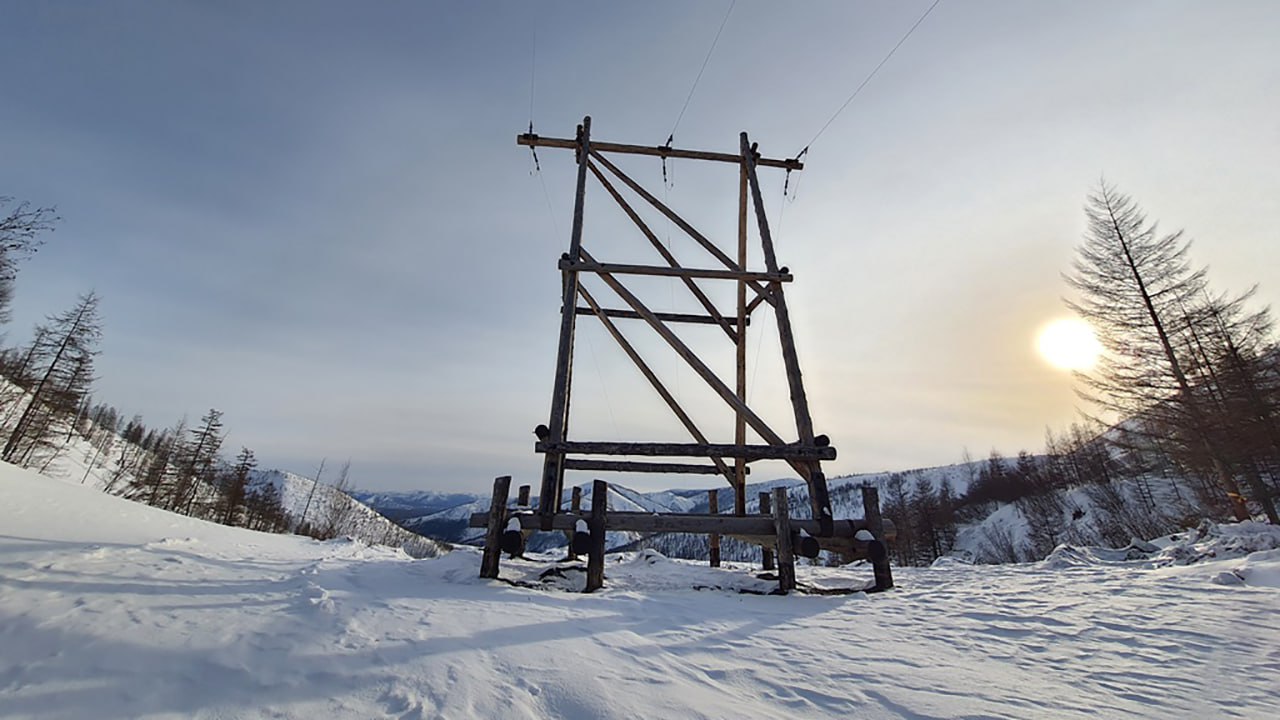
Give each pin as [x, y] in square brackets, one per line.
[756, 290]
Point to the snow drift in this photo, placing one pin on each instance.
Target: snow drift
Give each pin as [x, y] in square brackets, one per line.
[111, 609]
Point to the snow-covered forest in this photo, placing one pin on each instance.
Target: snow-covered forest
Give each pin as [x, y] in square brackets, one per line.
[50, 422]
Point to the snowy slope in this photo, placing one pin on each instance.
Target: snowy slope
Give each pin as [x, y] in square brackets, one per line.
[83, 463]
[111, 609]
[322, 506]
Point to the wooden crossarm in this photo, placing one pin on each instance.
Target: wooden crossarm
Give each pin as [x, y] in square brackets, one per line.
[535, 140]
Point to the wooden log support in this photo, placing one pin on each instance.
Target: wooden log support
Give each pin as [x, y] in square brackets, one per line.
[494, 523]
[662, 151]
[575, 508]
[641, 467]
[766, 551]
[663, 316]
[704, 524]
[595, 557]
[747, 452]
[740, 351]
[713, 540]
[681, 272]
[876, 551]
[522, 496]
[843, 544]
[552, 470]
[819, 500]
[782, 527]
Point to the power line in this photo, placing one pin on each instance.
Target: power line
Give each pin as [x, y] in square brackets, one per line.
[705, 60]
[533, 71]
[868, 78]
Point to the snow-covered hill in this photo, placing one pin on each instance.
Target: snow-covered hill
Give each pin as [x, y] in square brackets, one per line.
[337, 513]
[85, 463]
[112, 609]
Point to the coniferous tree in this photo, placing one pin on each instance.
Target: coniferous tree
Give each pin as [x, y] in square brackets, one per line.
[154, 483]
[1137, 288]
[20, 231]
[62, 365]
[340, 511]
[235, 489]
[896, 507]
[195, 462]
[303, 527]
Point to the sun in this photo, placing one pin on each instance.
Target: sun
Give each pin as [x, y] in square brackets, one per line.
[1068, 344]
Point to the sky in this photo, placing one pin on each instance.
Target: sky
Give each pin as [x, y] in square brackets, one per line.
[314, 216]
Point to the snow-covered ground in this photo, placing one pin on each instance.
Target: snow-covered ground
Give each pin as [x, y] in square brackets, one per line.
[111, 609]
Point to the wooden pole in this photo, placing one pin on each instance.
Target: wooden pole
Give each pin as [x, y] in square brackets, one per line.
[599, 512]
[740, 422]
[782, 527]
[552, 469]
[522, 496]
[713, 540]
[819, 499]
[875, 525]
[493, 533]
[575, 508]
[766, 553]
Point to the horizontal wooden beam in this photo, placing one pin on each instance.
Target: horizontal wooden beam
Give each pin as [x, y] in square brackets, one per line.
[744, 525]
[852, 547]
[534, 140]
[746, 452]
[665, 317]
[714, 274]
[640, 467]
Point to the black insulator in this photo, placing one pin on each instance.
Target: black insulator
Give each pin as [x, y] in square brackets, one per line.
[784, 270]
[877, 552]
[808, 546]
[512, 543]
[581, 543]
[822, 441]
[543, 432]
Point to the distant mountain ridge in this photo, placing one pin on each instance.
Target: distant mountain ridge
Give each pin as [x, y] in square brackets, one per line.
[449, 524]
[399, 505]
[990, 532]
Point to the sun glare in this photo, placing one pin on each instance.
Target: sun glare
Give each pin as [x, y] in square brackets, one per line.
[1068, 344]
